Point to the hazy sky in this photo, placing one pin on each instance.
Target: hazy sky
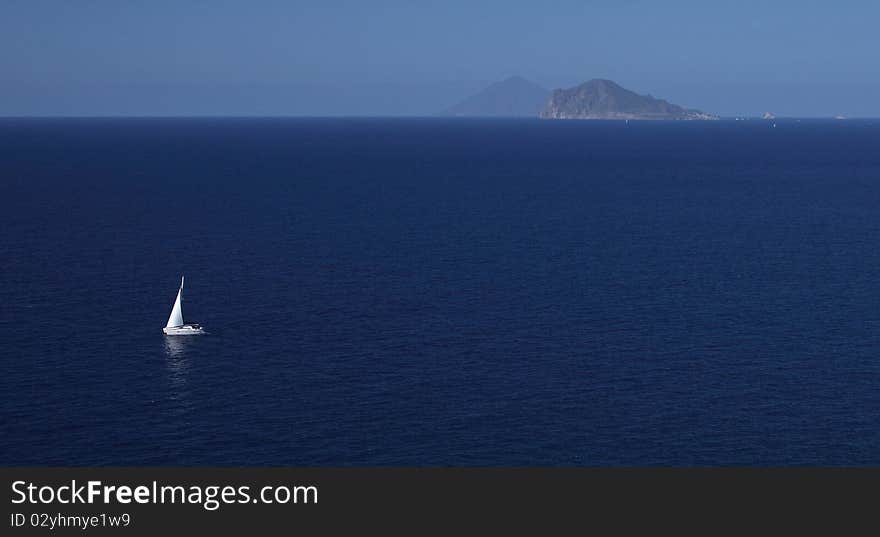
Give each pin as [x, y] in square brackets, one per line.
[158, 57]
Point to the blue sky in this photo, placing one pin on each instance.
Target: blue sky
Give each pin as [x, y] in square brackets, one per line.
[255, 57]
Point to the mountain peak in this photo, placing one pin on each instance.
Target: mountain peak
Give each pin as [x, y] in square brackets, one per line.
[601, 82]
[514, 96]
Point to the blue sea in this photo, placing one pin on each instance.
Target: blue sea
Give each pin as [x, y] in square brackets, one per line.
[440, 292]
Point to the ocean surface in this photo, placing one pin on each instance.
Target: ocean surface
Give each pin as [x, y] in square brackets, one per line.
[440, 292]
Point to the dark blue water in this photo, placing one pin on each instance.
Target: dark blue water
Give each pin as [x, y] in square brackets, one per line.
[439, 292]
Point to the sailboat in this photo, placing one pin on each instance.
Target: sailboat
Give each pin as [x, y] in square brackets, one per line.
[175, 326]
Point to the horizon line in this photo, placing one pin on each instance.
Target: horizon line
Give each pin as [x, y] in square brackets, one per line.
[407, 116]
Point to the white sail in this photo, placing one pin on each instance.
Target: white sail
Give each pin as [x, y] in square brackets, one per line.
[176, 317]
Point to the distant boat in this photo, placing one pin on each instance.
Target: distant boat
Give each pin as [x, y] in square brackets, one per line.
[175, 325]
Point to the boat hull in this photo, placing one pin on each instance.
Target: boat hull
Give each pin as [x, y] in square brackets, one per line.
[185, 330]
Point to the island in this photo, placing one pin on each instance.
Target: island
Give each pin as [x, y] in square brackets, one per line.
[605, 99]
[512, 97]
